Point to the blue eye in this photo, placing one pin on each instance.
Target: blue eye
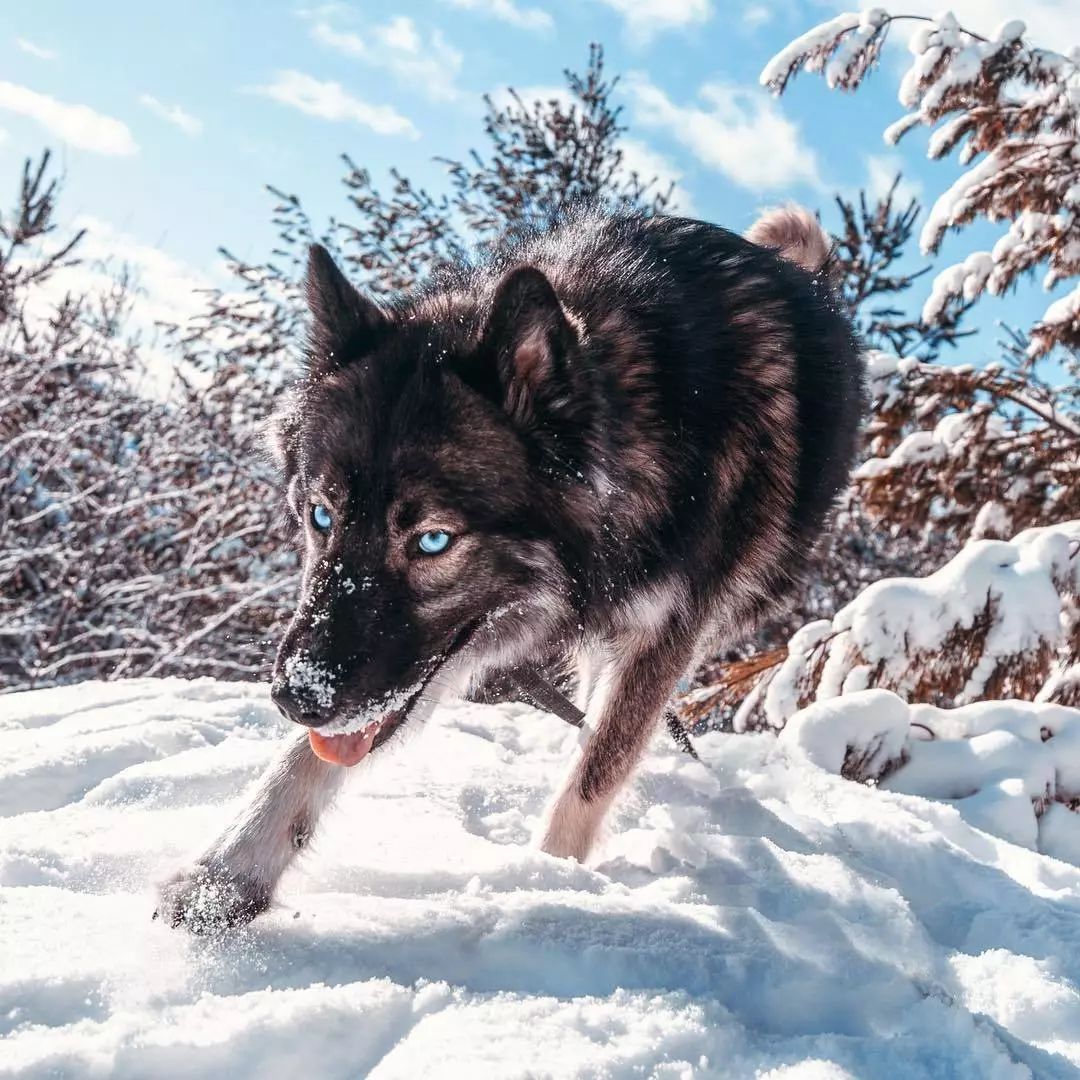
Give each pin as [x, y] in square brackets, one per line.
[434, 542]
[321, 518]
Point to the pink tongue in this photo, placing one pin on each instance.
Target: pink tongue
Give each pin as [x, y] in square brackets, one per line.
[343, 749]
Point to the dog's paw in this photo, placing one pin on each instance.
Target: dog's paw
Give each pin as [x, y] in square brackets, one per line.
[209, 900]
[564, 845]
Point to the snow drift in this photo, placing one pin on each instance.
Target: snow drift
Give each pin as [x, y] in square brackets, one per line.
[749, 915]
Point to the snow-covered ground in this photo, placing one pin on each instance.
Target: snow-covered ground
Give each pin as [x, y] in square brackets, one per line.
[749, 915]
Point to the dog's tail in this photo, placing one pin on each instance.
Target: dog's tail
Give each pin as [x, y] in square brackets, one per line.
[795, 234]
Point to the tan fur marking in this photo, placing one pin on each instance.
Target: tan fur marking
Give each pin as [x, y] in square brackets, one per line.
[795, 233]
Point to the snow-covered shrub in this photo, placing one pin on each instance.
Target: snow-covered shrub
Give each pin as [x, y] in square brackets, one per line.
[980, 450]
[1011, 768]
[1001, 620]
[137, 536]
[967, 452]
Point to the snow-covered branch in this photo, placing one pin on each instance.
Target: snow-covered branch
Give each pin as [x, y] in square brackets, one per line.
[998, 99]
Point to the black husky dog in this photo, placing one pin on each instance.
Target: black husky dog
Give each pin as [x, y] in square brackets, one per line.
[613, 444]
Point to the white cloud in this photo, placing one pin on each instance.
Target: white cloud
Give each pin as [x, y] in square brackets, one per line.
[330, 101]
[78, 125]
[508, 12]
[173, 114]
[740, 132]
[645, 18]
[641, 158]
[881, 170]
[166, 289]
[35, 50]
[397, 46]
[755, 15]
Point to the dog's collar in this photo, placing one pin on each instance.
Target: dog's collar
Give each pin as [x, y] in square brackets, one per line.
[541, 694]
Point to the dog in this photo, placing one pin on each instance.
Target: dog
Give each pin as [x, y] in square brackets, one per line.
[611, 445]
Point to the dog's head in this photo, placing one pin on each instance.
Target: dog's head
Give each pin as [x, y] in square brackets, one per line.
[410, 453]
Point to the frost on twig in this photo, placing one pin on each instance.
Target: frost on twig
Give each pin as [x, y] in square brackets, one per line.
[1011, 111]
[966, 451]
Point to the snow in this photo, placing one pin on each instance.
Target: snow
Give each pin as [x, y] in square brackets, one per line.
[309, 677]
[1064, 682]
[946, 59]
[951, 436]
[880, 364]
[852, 47]
[1011, 30]
[1011, 596]
[813, 41]
[944, 139]
[1002, 763]
[1064, 310]
[749, 915]
[966, 279]
[899, 128]
[992, 520]
[873, 723]
[949, 207]
[896, 618]
[833, 46]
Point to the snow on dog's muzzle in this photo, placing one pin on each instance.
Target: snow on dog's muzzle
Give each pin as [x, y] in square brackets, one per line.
[348, 739]
[306, 692]
[340, 731]
[339, 734]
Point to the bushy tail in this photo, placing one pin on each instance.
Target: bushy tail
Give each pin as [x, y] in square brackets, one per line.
[796, 235]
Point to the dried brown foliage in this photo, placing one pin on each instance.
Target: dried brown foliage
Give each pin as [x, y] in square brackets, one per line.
[1000, 621]
[968, 452]
[140, 536]
[1002, 98]
[953, 453]
[135, 535]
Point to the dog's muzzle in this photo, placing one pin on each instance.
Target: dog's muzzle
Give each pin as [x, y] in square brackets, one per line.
[300, 705]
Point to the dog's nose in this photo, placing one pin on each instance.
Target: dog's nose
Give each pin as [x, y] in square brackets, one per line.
[298, 704]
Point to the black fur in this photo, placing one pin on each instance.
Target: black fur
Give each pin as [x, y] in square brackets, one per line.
[596, 409]
[634, 429]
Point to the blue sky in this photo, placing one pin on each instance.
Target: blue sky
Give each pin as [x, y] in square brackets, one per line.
[168, 118]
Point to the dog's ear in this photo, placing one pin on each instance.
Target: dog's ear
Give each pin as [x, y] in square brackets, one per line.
[344, 324]
[530, 340]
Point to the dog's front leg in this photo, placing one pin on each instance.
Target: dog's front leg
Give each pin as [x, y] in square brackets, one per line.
[234, 880]
[623, 712]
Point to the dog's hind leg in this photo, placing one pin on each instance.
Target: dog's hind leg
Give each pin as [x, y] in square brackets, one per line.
[628, 700]
[234, 880]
